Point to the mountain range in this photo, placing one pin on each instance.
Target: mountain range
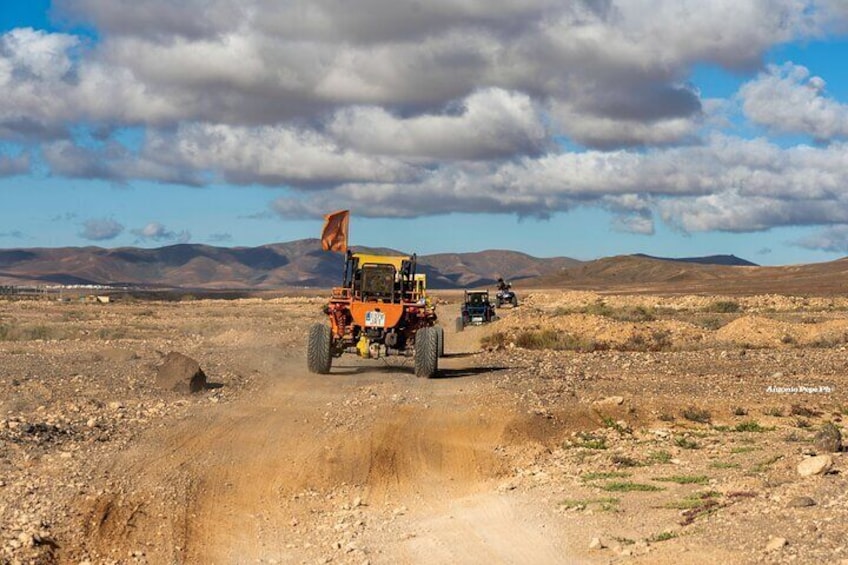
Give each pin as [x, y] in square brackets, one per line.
[299, 263]
[303, 264]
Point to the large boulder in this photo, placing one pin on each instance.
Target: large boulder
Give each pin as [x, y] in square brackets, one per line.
[180, 373]
[828, 439]
[818, 465]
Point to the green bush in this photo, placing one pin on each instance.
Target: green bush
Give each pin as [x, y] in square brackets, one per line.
[495, 340]
[550, 339]
[28, 333]
[724, 307]
[697, 415]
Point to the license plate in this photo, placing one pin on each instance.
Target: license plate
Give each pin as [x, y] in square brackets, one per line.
[375, 319]
[477, 319]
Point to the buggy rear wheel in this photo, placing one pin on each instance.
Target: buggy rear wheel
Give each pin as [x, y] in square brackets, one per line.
[514, 301]
[318, 354]
[426, 352]
[440, 340]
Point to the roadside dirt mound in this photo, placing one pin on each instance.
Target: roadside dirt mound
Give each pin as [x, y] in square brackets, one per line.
[756, 331]
[591, 331]
[824, 333]
[413, 449]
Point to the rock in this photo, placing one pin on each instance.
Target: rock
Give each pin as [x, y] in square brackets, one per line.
[828, 439]
[596, 543]
[180, 373]
[610, 401]
[815, 465]
[26, 539]
[801, 502]
[775, 544]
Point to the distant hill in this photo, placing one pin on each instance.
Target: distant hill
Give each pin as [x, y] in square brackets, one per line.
[641, 273]
[449, 270]
[728, 260]
[294, 264]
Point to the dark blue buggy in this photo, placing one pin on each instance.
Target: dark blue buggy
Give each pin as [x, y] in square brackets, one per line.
[477, 309]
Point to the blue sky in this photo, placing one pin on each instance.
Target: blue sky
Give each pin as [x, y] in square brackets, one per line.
[677, 128]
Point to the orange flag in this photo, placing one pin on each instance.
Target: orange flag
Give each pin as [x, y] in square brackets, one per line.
[334, 234]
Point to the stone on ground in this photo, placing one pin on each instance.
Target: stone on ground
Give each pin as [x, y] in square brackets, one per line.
[815, 465]
[180, 373]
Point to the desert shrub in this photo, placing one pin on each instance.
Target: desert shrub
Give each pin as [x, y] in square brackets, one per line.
[629, 486]
[36, 332]
[604, 475]
[634, 314]
[764, 465]
[826, 342]
[599, 308]
[724, 465]
[662, 536]
[656, 340]
[751, 426]
[76, 316]
[550, 339]
[590, 441]
[545, 339]
[697, 415]
[495, 340]
[723, 307]
[660, 456]
[799, 410]
[10, 332]
[624, 461]
[684, 442]
[563, 311]
[119, 332]
[613, 424]
[605, 503]
[694, 500]
[711, 323]
[685, 479]
[624, 314]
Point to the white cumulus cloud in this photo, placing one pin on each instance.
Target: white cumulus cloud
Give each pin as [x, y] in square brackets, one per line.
[788, 99]
[101, 229]
[155, 231]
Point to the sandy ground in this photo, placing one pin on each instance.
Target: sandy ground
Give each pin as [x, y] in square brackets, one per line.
[660, 448]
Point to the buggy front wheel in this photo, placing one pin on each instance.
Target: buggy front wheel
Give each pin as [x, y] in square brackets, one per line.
[318, 355]
[426, 352]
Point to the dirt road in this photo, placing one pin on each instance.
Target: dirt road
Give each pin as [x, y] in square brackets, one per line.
[368, 464]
